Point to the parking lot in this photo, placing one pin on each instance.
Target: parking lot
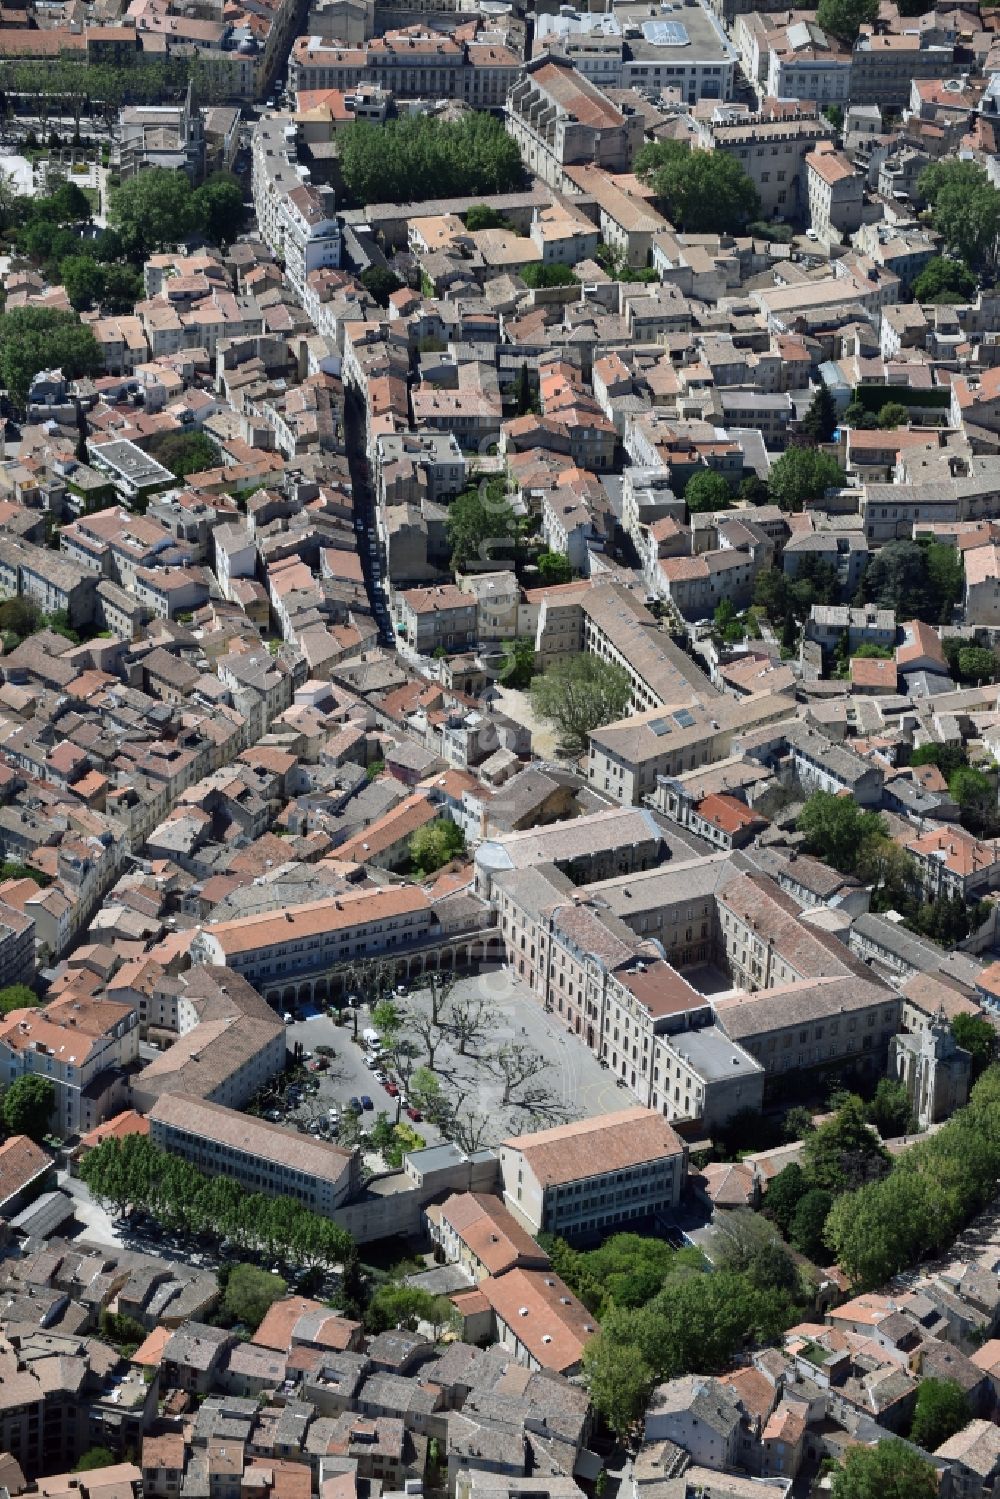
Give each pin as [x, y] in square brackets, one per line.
[566, 1081]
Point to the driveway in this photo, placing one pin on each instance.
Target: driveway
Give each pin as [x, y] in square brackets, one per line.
[98, 1225]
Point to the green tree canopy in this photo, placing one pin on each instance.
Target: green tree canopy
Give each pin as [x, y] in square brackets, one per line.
[154, 210]
[784, 1195]
[17, 997]
[580, 694]
[805, 1231]
[433, 845]
[754, 490]
[918, 582]
[184, 453]
[845, 18]
[838, 829]
[965, 208]
[820, 421]
[932, 1190]
[702, 192]
[217, 207]
[93, 1458]
[381, 282]
[889, 1470]
[27, 1106]
[942, 1408]
[627, 1270]
[518, 662]
[554, 568]
[976, 794]
[893, 414]
[976, 664]
[944, 282]
[844, 1151]
[973, 1033]
[707, 490]
[802, 475]
[619, 1380]
[747, 1244]
[947, 757]
[41, 338]
[250, 1292]
[481, 527]
[482, 216]
[83, 279]
[406, 1306]
[537, 274]
[890, 1110]
[420, 156]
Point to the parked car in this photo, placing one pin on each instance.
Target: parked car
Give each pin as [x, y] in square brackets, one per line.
[392, 1089]
[414, 1114]
[354, 1104]
[366, 1102]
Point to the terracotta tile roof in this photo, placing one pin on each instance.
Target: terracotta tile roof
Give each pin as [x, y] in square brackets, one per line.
[21, 1160]
[491, 1232]
[313, 918]
[126, 1123]
[590, 1147]
[728, 813]
[543, 1314]
[870, 672]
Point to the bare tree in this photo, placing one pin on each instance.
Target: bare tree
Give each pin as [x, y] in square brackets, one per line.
[470, 1129]
[369, 980]
[404, 1055]
[466, 1016]
[440, 986]
[426, 1030]
[516, 1064]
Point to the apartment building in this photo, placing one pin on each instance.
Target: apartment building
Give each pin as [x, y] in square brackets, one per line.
[414, 62]
[17, 945]
[84, 1047]
[835, 192]
[414, 466]
[982, 585]
[626, 758]
[804, 62]
[822, 765]
[594, 1176]
[440, 617]
[617, 627]
[51, 581]
[297, 220]
[952, 863]
[262, 1157]
[771, 146]
[884, 65]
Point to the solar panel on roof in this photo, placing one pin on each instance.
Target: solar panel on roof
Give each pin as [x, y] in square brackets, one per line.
[684, 718]
[659, 726]
[666, 33]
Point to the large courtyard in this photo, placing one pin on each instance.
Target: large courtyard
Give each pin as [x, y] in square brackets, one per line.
[520, 1071]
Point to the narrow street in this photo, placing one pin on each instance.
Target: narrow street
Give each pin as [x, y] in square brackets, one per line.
[364, 513]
